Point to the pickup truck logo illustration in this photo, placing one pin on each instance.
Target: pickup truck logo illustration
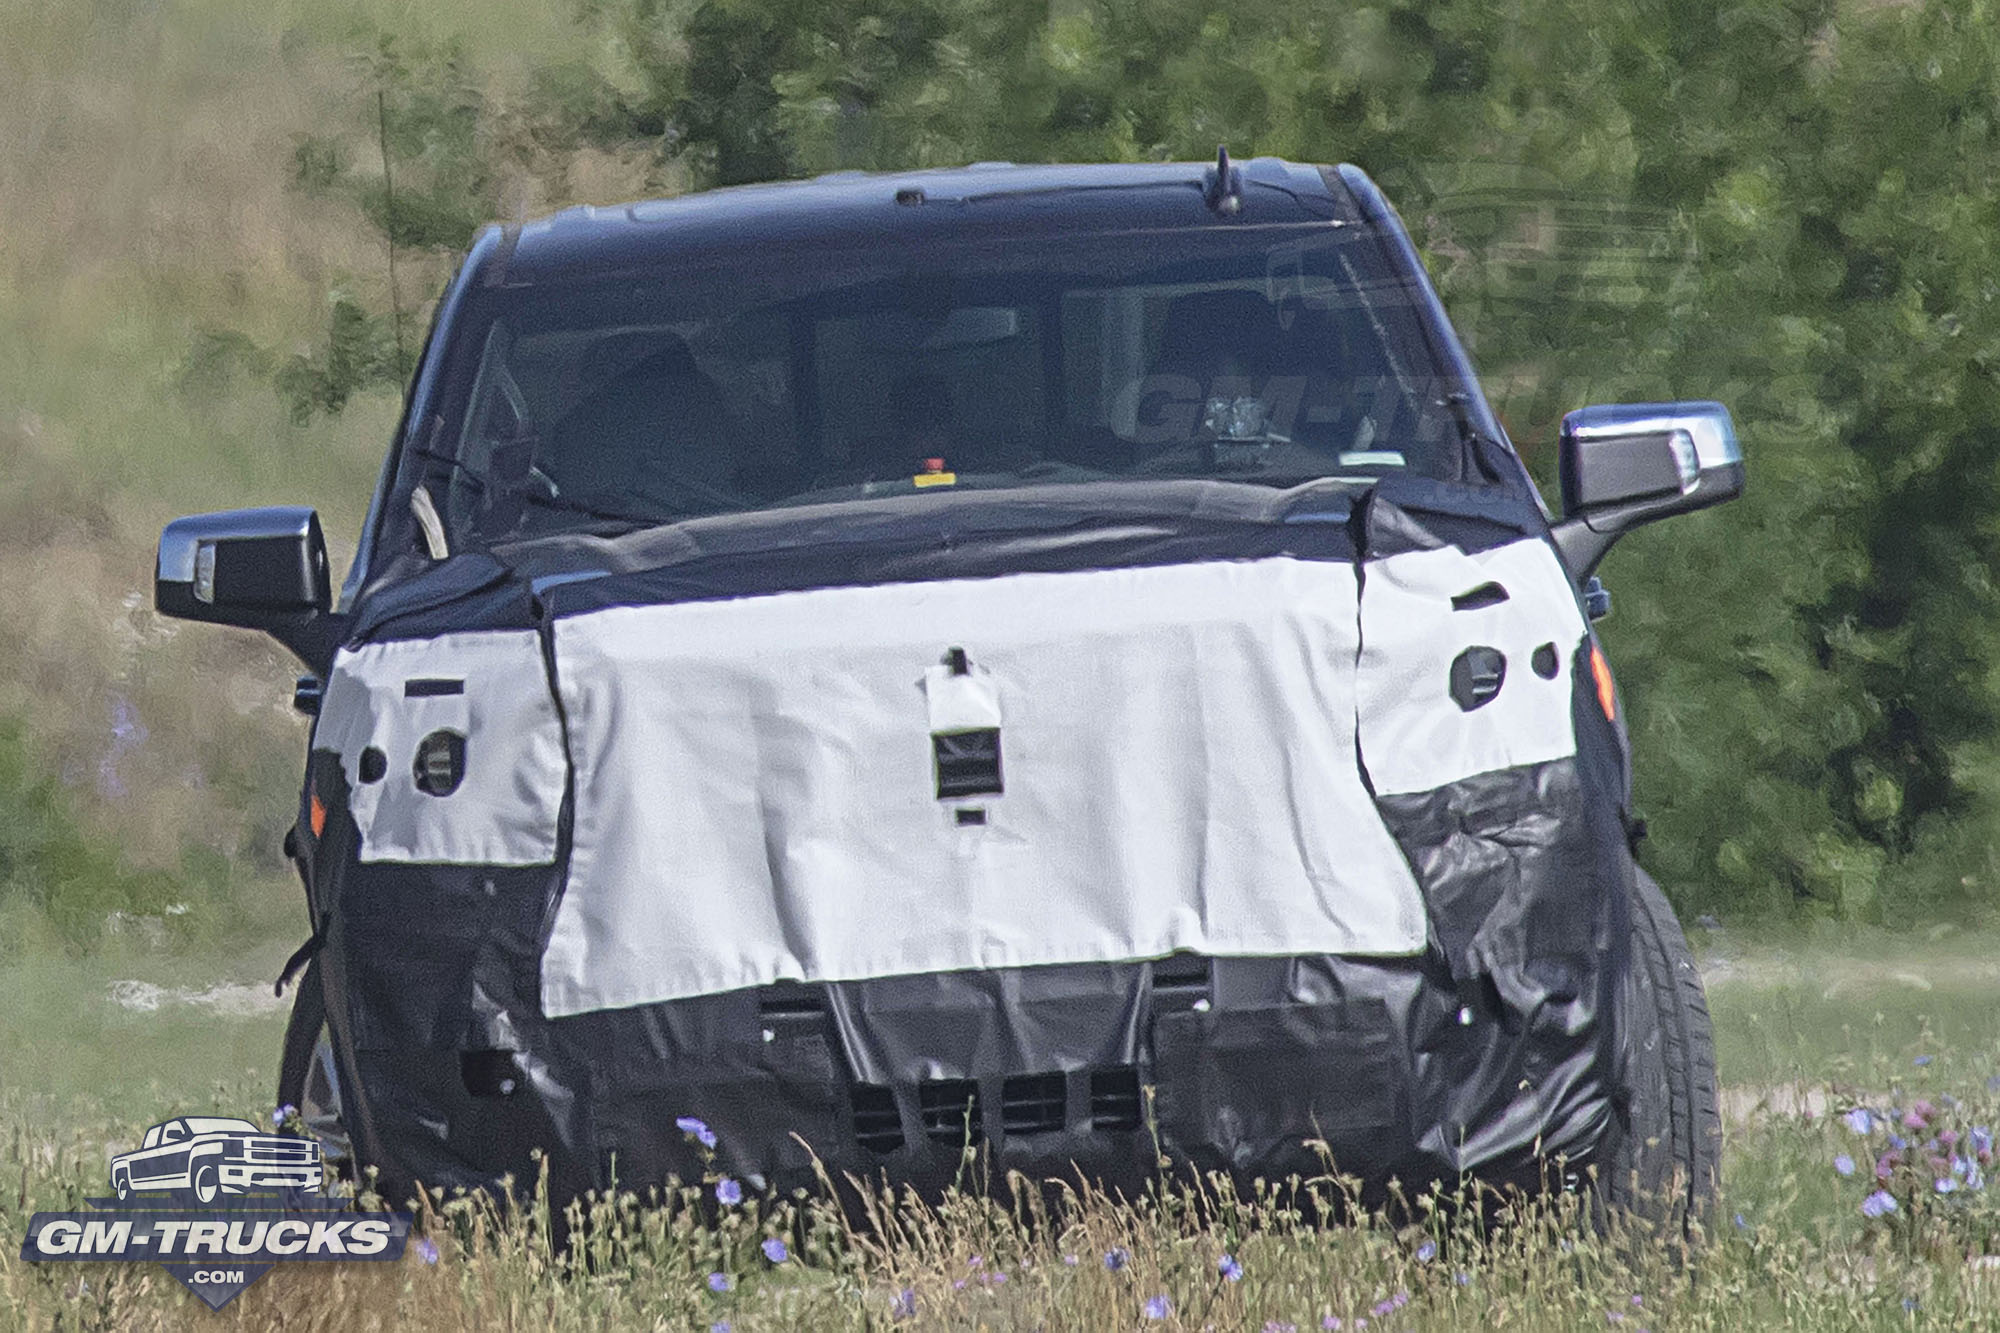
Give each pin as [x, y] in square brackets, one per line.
[213, 1155]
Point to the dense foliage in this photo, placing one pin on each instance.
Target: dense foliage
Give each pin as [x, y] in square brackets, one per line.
[1786, 205]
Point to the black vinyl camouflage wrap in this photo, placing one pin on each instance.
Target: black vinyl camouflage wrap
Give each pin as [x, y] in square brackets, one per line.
[1491, 1052]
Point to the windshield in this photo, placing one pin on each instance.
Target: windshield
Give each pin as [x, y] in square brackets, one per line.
[1267, 355]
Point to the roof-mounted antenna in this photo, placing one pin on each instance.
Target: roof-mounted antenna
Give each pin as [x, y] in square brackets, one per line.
[1223, 191]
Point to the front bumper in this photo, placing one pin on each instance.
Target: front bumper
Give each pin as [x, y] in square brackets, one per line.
[1260, 1068]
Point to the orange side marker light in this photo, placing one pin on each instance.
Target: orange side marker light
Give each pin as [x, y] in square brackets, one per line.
[1607, 689]
[316, 815]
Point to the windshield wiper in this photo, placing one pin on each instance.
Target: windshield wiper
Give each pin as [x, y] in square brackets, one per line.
[547, 498]
[1470, 437]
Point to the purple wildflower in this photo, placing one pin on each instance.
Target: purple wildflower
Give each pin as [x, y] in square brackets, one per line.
[1878, 1204]
[1982, 1139]
[1741, 1225]
[1843, 1164]
[1614, 1316]
[1861, 1120]
[1158, 1308]
[1944, 1184]
[1330, 1323]
[905, 1305]
[1071, 1260]
[698, 1128]
[719, 1326]
[1462, 1278]
[1384, 1308]
[719, 1283]
[1229, 1268]
[1922, 1060]
[1912, 1120]
[775, 1251]
[1898, 1142]
[426, 1249]
[1279, 1326]
[1427, 1251]
[1117, 1257]
[728, 1192]
[283, 1113]
[1637, 1299]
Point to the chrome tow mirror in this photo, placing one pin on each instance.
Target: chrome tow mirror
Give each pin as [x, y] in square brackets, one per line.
[1623, 466]
[262, 569]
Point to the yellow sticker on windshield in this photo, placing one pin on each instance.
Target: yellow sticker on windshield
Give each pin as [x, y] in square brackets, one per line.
[934, 479]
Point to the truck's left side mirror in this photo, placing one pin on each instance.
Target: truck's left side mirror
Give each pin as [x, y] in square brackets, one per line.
[1631, 464]
[255, 568]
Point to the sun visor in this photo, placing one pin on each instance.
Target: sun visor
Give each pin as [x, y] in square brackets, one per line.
[858, 782]
[451, 746]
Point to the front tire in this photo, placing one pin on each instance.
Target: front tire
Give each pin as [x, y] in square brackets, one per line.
[206, 1184]
[1665, 1162]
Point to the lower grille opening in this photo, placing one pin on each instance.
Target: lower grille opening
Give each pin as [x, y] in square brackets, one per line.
[1033, 1103]
[1114, 1099]
[876, 1125]
[489, 1073]
[1181, 981]
[949, 1109]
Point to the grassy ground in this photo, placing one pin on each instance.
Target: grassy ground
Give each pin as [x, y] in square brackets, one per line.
[1807, 1027]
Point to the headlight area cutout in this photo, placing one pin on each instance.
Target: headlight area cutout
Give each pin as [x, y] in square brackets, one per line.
[1465, 664]
[451, 747]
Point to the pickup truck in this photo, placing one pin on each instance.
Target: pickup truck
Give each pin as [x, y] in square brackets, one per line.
[1056, 663]
[212, 1155]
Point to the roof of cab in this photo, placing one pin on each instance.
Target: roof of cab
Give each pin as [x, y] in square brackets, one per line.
[983, 199]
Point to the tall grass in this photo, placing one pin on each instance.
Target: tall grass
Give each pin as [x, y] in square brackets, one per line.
[1789, 1246]
[1787, 1252]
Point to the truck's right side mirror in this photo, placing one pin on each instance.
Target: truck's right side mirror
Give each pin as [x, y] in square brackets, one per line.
[1631, 464]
